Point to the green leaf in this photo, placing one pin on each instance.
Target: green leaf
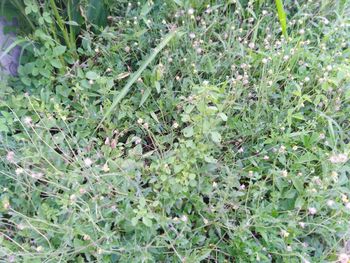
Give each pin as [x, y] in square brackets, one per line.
[147, 221]
[56, 63]
[188, 131]
[145, 95]
[97, 13]
[134, 221]
[282, 16]
[59, 50]
[216, 137]
[92, 75]
[298, 184]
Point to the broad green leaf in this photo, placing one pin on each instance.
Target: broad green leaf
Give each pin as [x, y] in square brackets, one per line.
[147, 221]
[92, 75]
[216, 137]
[56, 63]
[188, 131]
[59, 50]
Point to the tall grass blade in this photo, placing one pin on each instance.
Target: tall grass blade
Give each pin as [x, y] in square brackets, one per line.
[282, 16]
[136, 75]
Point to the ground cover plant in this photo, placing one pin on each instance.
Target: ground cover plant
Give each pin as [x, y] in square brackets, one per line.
[177, 131]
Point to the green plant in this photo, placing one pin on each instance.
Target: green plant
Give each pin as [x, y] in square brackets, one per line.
[225, 143]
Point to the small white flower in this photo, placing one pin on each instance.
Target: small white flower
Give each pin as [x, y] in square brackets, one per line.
[322, 136]
[10, 157]
[127, 49]
[105, 168]
[205, 221]
[192, 35]
[215, 184]
[184, 218]
[301, 31]
[140, 121]
[97, 50]
[190, 11]
[330, 203]
[72, 198]
[307, 79]
[266, 157]
[284, 233]
[302, 224]
[19, 171]
[251, 45]
[347, 205]
[145, 125]
[312, 210]
[338, 158]
[175, 125]
[329, 68]
[87, 162]
[265, 60]
[27, 120]
[36, 175]
[343, 258]
[284, 173]
[91, 82]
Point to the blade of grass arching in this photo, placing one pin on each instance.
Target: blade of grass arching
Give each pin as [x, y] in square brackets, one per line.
[136, 75]
[282, 16]
[12, 46]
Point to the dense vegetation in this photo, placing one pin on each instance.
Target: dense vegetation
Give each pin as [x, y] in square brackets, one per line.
[177, 131]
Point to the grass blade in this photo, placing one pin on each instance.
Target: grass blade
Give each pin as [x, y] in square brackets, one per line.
[282, 16]
[136, 75]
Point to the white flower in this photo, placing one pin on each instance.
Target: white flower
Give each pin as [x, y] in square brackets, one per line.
[302, 224]
[19, 171]
[251, 45]
[284, 173]
[87, 162]
[175, 125]
[265, 60]
[338, 158]
[140, 121]
[91, 82]
[105, 168]
[192, 35]
[36, 175]
[329, 68]
[284, 233]
[347, 205]
[190, 11]
[10, 157]
[27, 120]
[215, 184]
[184, 218]
[301, 31]
[312, 210]
[330, 203]
[343, 258]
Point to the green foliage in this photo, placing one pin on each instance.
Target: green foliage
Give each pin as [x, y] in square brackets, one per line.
[133, 142]
[282, 16]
